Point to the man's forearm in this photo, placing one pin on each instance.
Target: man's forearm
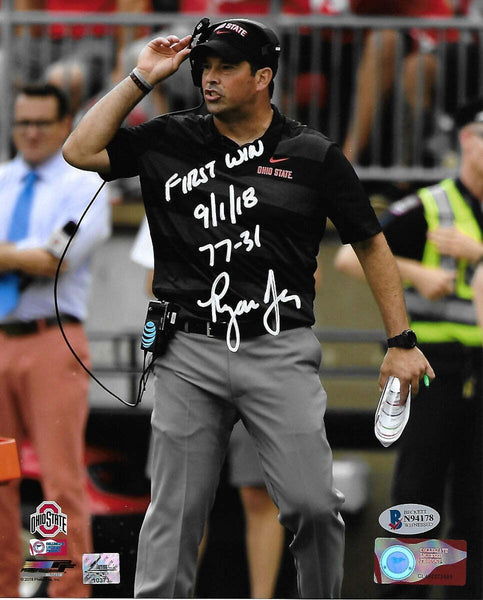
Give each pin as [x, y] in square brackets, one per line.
[477, 284]
[382, 274]
[7, 257]
[37, 262]
[411, 270]
[347, 262]
[85, 147]
[384, 280]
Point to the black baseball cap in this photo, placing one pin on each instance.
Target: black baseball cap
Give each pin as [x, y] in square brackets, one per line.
[471, 112]
[237, 40]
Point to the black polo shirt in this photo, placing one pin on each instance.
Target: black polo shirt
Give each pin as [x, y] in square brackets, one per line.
[237, 229]
[405, 227]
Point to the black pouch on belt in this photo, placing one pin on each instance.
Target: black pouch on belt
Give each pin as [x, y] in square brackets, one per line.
[159, 326]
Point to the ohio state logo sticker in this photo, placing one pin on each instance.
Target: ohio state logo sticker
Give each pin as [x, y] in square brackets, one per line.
[48, 520]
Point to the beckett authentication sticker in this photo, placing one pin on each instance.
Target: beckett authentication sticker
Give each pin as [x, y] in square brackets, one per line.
[101, 568]
[420, 562]
[409, 519]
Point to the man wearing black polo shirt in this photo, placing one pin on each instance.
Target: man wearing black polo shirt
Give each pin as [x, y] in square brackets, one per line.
[237, 203]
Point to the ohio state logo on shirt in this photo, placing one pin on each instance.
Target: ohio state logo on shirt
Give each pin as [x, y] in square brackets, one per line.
[48, 520]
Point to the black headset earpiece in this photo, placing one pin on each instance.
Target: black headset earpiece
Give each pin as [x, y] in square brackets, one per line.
[200, 32]
[203, 30]
[272, 48]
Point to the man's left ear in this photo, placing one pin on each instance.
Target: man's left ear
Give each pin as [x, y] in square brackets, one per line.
[263, 77]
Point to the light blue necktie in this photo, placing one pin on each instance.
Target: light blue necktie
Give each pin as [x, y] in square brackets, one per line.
[9, 282]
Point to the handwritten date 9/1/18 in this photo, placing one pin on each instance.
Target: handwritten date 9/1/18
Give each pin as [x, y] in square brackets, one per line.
[248, 240]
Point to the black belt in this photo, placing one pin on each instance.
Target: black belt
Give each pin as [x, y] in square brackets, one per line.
[29, 327]
[247, 329]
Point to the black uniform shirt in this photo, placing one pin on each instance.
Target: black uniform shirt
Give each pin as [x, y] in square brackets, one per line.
[238, 228]
[405, 226]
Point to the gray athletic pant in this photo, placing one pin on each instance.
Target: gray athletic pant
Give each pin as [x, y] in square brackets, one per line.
[201, 389]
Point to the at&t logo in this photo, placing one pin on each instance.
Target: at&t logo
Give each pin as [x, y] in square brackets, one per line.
[48, 520]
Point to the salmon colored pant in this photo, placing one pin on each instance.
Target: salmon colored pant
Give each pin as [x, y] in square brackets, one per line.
[44, 398]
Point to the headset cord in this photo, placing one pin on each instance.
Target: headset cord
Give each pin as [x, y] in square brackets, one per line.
[144, 377]
[145, 373]
[146, 369]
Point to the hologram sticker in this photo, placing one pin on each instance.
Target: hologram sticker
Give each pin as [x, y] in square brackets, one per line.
[101, 568]
[420, 562]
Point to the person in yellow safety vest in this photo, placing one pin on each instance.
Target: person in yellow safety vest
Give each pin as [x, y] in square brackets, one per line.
[436, 235]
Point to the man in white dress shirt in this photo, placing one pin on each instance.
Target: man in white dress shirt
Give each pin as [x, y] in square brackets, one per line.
[43, 390]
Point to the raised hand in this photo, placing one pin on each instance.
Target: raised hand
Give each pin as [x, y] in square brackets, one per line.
[162, 56]
[450, 241]
[435, 283]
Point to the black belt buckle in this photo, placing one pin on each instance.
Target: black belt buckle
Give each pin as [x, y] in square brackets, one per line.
[216, 329]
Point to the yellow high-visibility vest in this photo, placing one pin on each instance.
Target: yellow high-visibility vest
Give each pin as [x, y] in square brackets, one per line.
[452, 318]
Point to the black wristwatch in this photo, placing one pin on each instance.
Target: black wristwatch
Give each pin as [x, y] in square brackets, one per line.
[406, 339]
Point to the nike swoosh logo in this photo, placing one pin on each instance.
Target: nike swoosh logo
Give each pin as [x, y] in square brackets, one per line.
[220, 32]
[277, 160]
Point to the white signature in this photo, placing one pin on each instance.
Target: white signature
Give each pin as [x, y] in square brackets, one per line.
[271, 298]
